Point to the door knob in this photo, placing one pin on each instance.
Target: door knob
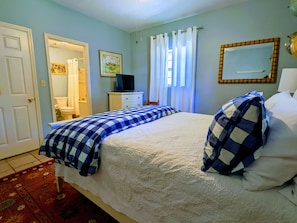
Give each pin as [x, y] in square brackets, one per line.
[31, 99]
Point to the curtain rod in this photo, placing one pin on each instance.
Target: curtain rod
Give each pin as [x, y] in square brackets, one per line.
[198, 28]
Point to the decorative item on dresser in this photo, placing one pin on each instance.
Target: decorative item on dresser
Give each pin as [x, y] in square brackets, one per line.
[120, 100]
[152, 102]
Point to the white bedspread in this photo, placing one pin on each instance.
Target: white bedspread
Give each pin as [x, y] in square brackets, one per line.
[152, 174]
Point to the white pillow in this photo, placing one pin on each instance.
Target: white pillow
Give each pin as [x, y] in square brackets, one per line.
[278, 162]
[295, 95]
[278, 97]
[284, 109]
[290, 191]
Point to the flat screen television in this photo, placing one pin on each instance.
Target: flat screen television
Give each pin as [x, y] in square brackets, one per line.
[124, 82]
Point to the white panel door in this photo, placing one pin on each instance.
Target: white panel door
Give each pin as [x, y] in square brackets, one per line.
[19, 129]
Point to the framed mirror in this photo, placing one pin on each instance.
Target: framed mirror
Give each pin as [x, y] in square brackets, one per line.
[249, 62]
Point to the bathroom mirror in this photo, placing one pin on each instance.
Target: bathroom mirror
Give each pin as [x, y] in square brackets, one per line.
[249, 62]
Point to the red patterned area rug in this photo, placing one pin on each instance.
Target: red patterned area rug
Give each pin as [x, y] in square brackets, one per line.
[30, 196]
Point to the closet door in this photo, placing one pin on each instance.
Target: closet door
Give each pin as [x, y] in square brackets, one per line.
[19, 126]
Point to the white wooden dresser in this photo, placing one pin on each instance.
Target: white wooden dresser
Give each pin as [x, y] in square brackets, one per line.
[120, 100]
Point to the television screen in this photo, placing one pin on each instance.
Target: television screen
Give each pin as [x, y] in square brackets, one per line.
[124, 82]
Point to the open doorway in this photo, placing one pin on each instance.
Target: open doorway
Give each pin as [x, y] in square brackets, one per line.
[69, 80]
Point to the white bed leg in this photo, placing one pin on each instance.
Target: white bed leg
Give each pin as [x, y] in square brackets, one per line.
[59, 184]
[60, 195]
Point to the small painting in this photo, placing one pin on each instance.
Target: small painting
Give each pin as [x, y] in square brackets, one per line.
[110, 63]
[58, 68]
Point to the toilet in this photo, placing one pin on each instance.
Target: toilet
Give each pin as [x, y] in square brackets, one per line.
[66, 112]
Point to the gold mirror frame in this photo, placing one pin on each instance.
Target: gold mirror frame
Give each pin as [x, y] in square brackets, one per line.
[274, 61]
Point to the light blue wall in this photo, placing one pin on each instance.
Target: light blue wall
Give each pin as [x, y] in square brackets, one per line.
[46, 16]
[255, 19]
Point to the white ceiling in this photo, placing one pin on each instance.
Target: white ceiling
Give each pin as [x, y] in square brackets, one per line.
[133, 15]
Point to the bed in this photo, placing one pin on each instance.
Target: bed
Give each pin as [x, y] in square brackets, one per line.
[152, 173]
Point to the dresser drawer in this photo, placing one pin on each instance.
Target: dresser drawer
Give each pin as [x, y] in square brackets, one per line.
[119, 100]
[129, 104]
[132, 97]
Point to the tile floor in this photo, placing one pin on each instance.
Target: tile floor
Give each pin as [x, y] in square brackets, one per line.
[17, 163]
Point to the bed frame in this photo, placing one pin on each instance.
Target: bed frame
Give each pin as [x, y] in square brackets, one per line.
[240, 203]
[120, 217]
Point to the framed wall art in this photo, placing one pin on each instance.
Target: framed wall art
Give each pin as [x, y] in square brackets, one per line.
[58, 68]
[110, 63]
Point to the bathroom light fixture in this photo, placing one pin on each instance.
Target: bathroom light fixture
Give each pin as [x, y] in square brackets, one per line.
[288, 81]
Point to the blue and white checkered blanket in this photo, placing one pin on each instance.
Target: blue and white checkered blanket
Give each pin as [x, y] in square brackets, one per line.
[77, 143]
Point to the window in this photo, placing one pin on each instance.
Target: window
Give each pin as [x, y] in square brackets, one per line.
[169, 67]
[180, 74]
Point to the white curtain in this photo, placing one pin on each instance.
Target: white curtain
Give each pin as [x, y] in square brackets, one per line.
[158, 68]
[179, 91]
[184, 49]
[73, 88]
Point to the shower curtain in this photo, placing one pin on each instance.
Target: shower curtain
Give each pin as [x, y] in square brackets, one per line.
[73, 88]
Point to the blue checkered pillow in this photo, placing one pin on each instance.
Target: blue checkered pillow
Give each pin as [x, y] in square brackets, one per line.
[236, 135]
